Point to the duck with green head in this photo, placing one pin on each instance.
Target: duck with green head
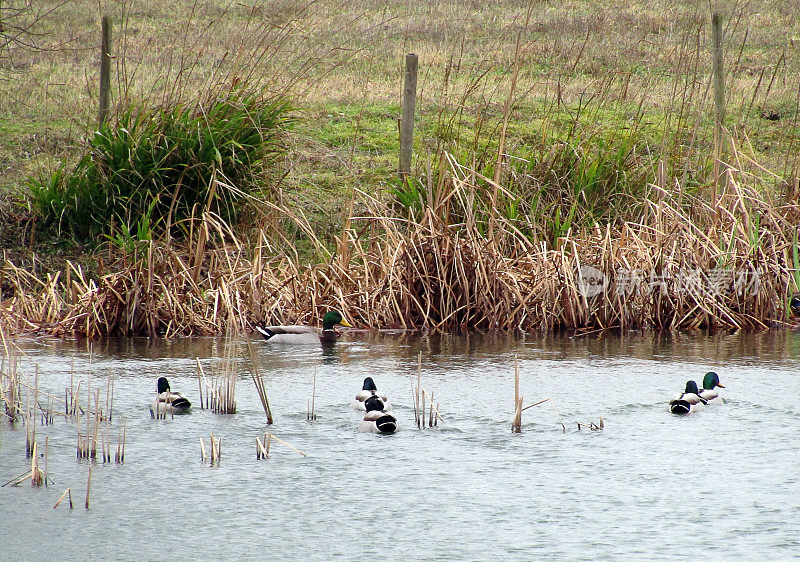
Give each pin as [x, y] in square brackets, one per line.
[305, 334]
[708, 392]
[168, 402]
[687, 402]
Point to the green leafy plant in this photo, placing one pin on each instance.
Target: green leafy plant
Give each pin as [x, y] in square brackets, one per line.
[164, 165]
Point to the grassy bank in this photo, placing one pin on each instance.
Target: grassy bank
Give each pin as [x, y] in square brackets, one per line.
[554, 142]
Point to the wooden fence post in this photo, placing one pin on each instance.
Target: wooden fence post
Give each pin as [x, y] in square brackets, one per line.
[407, 119]
[719, 99]
[105, 70]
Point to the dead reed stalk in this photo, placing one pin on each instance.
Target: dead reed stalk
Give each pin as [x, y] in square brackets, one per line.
[88, 487]
[262, 450]
[215, 452]
[67, 492]
[310, 415]
[271, 436]
[516, 425]
[258, 381]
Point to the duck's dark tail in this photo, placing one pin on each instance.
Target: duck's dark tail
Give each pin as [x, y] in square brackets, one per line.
[265, 332]
[181, 404]
[386, 424]
[680, 407]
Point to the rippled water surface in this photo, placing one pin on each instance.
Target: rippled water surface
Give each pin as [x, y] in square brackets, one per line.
[721, 483]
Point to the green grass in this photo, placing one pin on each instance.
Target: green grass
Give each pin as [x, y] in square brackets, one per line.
[588, 74]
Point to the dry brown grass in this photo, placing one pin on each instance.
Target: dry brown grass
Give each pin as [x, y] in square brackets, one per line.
[584, 73]
[684, 264]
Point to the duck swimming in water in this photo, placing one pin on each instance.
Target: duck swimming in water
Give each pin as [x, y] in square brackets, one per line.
[688, 402]
[377, 420]
[707, 393]
[369, 390]
[305, 334]
[168, 402]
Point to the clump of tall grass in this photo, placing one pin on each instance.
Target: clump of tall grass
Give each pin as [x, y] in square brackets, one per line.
[570, 185]
[155, 167]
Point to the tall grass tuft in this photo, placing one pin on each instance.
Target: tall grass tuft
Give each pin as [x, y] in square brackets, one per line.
[156, 167]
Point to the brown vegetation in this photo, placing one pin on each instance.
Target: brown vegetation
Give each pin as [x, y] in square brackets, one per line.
[683, 264]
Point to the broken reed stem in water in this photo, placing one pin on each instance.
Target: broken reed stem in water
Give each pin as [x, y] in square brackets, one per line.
[258, 381]
[285, 443]
[96, 423]
[420, 404]
[106, 443]
[593, 426]
[46, 442]
[216, 450]
[88, 487]
[200, 381]
[117, 456]
[312, 416]
[87, 445]
[516, 425]
[36, 474]
[535, 404]
[17, 480]
[68, 491]
[261, 450]
[413, 398]
[433, 410]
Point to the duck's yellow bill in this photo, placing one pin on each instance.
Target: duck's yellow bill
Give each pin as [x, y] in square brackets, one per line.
[345, 323]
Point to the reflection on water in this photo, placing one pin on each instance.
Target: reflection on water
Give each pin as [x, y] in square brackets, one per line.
[721, 483]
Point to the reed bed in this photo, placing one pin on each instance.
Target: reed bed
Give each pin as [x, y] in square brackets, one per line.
[221, 388]
[218, 390]
[685, 261]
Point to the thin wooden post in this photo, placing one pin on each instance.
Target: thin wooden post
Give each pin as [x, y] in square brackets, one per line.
[719, 99]
[105, 70]
[407, 119]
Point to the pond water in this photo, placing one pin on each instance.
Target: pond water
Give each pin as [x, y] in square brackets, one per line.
[721, 483]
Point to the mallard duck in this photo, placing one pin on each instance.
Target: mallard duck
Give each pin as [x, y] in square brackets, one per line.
[710, 381]
[688, 402]
[305, 334]
[377, 420]
[369, 390]
[168, 402]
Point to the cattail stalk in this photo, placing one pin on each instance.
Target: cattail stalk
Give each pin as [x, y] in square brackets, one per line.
[88, 487]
